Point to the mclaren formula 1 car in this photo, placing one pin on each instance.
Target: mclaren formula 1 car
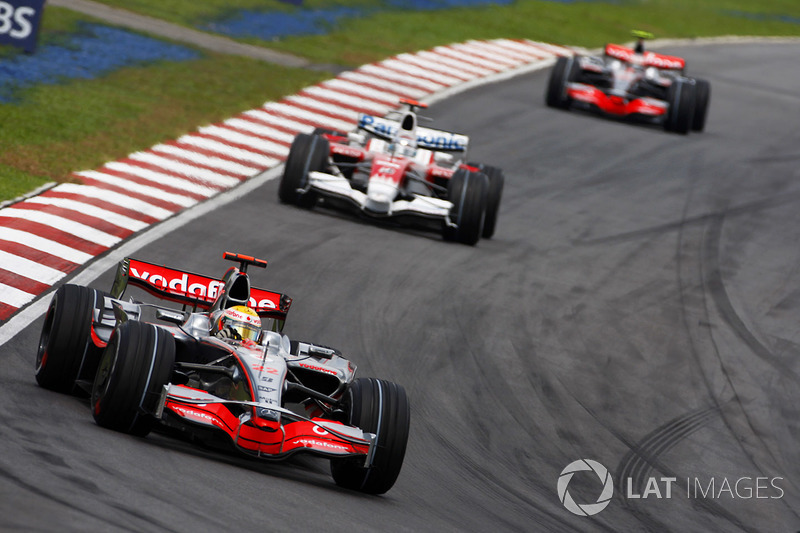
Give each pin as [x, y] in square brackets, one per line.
[245, 388]
[631, 83]
[390, 168]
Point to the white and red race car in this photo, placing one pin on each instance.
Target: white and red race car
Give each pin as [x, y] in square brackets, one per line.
[263, 395]
[631, 83]
[391, 168]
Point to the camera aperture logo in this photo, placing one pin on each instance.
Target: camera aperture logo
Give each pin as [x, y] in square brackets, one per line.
[585, 509]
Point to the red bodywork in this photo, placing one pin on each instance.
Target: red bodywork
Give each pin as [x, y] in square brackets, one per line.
[266, 437]
[195, 289]
[648, 59]
[620, 105]
[382, 162]
[616, 105]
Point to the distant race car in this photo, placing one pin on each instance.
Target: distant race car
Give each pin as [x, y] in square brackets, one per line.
[389, 168]
[631, 83]
[214, 374]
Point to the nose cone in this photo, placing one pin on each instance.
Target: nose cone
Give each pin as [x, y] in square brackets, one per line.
[380, 196]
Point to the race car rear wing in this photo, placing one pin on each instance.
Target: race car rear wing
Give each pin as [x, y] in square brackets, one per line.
[649, 59]
[191, 289]
[427, 138]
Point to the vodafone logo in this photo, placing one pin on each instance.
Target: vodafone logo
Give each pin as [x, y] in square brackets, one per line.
[585, 509]
[200, 287]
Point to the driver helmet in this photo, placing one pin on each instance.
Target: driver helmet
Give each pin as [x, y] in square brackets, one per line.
[238, 322]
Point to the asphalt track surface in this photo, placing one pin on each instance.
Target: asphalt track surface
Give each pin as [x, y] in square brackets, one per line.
[638, 306]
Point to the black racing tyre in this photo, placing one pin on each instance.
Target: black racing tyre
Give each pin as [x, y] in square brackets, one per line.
[702, 97]
[681, 99]
[66, 352]
[493, 196]
[379, 407]
[468, 193]
[308, 153]
[135, 366]
[563, 71]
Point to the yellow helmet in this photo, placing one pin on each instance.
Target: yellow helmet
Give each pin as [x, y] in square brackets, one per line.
[239, 322]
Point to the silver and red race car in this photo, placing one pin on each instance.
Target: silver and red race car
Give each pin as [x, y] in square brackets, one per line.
[263, 395]
[631, 83]
[391, 168]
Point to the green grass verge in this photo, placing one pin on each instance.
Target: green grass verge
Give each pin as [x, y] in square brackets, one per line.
[588, 23]
[55, 130]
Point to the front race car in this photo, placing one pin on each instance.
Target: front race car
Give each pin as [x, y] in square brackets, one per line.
[219, 372]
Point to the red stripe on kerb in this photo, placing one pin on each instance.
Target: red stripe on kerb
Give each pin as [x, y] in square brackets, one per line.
[22, 283]
[447, 61]
[157, 202]
[396, 91]
[331, 101]
[53, 234]
[511, 52]
[77, 216]
[102, 204]
[43, 258]
[279, 127]
[317, 111]
[532, 52]
[154, 184]
[404, 73]
[486, 55]
[459, 55]
[349, 92]
[6, 311]
[190, 162]
[260, 136]
[233, 144]
[419, 62]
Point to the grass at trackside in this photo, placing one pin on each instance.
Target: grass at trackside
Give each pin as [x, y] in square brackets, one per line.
[78, 125]
[587, 23]
[57, 129]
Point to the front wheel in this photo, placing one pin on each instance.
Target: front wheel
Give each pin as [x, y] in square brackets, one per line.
[681, 98]
[135, 366]
[467, 191]
[563, 72]
[493, 195]
[308, 153]
[66, 352]
[702, 97]
[379, 407]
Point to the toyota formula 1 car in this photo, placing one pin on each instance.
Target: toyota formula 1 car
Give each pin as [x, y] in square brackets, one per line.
[631, 83]
[261, 395]
[389, 168]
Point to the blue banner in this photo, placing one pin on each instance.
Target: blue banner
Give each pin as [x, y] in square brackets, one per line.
[19, 23]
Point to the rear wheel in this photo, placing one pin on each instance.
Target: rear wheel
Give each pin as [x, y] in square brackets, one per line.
[66, 352]
[308, 153]
[467, 191]
[135, 366]
[681, 98]
[379, 407]
[563, 71]
[702, 97]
